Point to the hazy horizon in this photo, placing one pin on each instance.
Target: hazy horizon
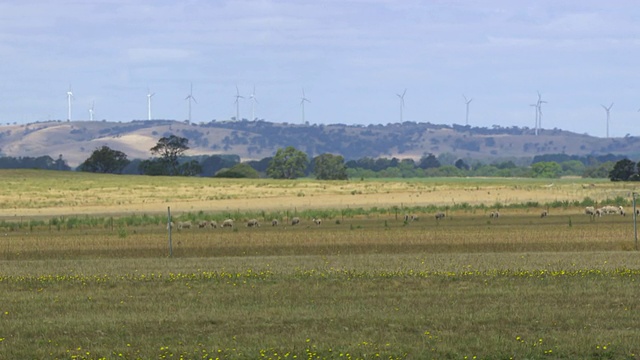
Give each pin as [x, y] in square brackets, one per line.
[350, 57]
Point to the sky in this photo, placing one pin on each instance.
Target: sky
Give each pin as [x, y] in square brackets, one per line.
[352, 58]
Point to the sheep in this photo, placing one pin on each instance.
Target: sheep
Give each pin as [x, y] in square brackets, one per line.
[544, 213]
[637, 211]
[317, 221]
[590, 210]
[610, 209]
[184, 225]
[408, 217]
[274, 222]
[440, 215]
[213, 224]
[295, 221]
[227, 223]
[598, 213]
[170, 225]
[203, 224]
[494, 214]
[253, 223]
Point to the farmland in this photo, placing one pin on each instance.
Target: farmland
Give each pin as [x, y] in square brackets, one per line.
[85, 270]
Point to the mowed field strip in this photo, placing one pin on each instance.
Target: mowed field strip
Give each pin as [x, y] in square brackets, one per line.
[85, 271]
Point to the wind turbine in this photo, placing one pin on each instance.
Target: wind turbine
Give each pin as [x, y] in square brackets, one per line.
[190, 98]
[467, 101]
[607, 109]
[69, 97]
[302, 100]
[254, 101]
[238, 97]
[538, 106]
[91, 112]
[401, 102]
[149, 96]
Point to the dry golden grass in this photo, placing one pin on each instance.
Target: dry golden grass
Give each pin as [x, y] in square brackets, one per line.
[48, 193]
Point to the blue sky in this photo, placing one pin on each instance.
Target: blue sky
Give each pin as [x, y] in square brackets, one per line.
[351, 57]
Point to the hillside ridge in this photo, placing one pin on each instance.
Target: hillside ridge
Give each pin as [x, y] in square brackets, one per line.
[254, 140]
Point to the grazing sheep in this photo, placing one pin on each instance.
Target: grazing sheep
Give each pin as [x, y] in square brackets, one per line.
[544, 213]
[213, 224]
[184, 225]
[275, 222]
[227, 223]
[170, 225]
[253, 223]
[408, 217]
[590, 210]
[598, 213]
[203, 224]
[440, 215]
[317, 221]
[610, 209]
[295, 221]
[494, 214]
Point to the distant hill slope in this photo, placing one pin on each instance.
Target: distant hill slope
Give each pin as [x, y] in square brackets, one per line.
[76, 140]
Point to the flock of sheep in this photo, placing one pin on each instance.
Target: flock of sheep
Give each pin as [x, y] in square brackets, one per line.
[229, 223]
[605, 210]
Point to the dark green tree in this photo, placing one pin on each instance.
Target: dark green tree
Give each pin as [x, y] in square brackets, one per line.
[623, 170]
[288, 163]
[330, 167]
[105, 160]
[170, 149]
[190, 168]
[428, 162]
[460, 164]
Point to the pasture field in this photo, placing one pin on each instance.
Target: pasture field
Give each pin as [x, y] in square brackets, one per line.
[85, 271]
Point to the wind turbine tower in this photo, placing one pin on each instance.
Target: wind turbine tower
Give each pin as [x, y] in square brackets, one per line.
[91, 111]
[149, 96]
[607, 109]
[238, 97]
[467, 101]
[69, 97]
[254, 101]
[302, 100]
[190, 98]
[401, 102]
[535, 126]
[539, 110]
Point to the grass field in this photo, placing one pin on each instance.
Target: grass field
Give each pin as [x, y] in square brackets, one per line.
[362, 285]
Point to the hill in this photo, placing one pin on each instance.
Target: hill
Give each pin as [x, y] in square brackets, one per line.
[253, 140]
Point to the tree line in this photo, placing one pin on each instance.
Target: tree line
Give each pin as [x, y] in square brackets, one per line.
[169, 159]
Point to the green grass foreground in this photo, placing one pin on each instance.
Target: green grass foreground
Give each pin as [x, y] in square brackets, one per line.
[518, 287]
